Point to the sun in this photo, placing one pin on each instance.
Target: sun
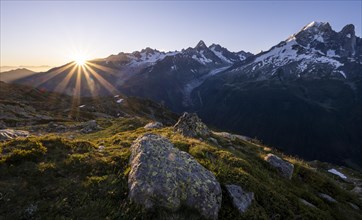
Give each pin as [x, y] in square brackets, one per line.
[80, 61]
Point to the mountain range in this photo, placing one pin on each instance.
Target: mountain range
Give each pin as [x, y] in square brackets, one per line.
[303, 95]
[12, 75]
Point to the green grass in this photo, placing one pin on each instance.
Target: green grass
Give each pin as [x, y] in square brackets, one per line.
[57, 178]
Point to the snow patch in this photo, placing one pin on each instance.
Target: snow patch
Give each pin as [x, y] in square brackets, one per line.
[201, 59]
[119, 101]
[348, 35]
[336, 172]
[343, 74]
[148, 59]
[332, 53]
[220, 55]
[284, 54]
[313, 24]
[319, 38]
[81, 106]
[302, 67]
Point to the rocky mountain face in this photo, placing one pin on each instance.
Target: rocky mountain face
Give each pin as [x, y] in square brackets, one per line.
[316, 51]
[304, 95]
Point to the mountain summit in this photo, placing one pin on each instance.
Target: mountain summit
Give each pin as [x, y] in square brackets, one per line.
[201, 45]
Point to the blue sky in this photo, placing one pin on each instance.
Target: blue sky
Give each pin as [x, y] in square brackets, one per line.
[53, 33]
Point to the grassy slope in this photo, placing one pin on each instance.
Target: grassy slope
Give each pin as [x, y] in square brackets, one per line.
[58, 178]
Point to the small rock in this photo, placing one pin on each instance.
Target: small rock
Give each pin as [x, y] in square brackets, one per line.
[232, 137]
[153, 125]
[165, 178]
[90, 126]
[337, 173]
[30, 210]
[230, 147]
[357, 190]
[284, 167]
[307, 203]
[2, 125]
[8, 134]
[241, 199]
[189, 125]
[53, 127]
[327, 197]
[101, 148]
[354, 206]
[214, 141]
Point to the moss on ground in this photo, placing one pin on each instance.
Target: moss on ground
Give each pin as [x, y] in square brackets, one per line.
[58, 178]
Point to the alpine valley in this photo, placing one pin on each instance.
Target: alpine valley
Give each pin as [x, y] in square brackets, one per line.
[304, 95]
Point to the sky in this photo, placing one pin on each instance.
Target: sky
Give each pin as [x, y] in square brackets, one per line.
[52, 33]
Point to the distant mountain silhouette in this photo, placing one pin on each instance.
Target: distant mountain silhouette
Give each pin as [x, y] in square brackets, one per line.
[12, 75]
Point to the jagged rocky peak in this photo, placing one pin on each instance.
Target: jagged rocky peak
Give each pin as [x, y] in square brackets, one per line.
[149, 50]
[348, 40]
[201, 45]
[348, 29]
[317, 26]
[316, 32]
[216, 47]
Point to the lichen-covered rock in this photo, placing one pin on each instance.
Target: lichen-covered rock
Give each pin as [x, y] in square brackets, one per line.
[90, 126]
[190, 125]
[7, 134]
[153, 125]
[166, 178]
[241, 199]
[284, 167]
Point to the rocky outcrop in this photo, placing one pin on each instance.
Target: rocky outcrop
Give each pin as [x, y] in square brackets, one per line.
[162, 177]
[190, 125]
[232, 136]
[90, 126]
[8, 134]
[54, 127]
[153, 125]
[240, 198]
[284, 167]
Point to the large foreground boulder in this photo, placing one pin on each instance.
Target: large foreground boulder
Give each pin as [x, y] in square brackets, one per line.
[284, 167]
[240, 198]
[7, 134]
[165, 178]
[190, 125]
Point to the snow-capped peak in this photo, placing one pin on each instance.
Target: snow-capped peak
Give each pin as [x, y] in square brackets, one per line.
[316, 28]
[314, 24]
